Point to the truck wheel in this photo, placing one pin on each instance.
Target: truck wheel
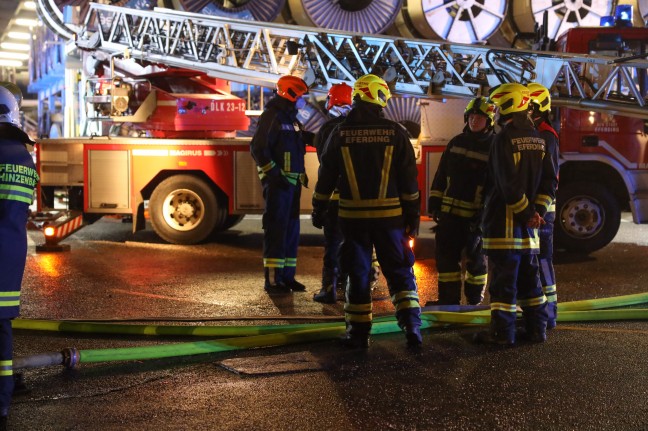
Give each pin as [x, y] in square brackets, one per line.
[183, 210]
[587, 217]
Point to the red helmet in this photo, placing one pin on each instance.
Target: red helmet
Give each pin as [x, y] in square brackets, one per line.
[339, 95]
[291, 87]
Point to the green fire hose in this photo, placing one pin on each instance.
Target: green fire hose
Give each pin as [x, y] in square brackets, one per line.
[245, 337]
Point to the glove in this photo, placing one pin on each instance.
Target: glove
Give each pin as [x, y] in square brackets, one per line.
[412, 216]
[434, 215]
[319, 218]
[412, 223]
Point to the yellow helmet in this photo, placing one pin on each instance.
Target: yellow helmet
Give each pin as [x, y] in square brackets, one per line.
[540, 96]
[482, 106]
[372, 89]
[510, 97]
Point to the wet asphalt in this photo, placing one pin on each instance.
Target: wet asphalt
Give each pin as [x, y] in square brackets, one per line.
[587, 376]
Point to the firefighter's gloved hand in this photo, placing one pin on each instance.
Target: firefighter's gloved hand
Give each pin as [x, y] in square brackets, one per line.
[319, 217]
[412, 223]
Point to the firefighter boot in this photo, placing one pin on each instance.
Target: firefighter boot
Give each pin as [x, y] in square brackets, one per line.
[409, 320]
[327, 295]
[4, 412]
[495, 336]
[295, 286]
[474, 293]
[535, 327]
[357, 335]
[273, 283]
[552, 310]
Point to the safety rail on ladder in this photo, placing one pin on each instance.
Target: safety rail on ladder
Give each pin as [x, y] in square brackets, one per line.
[56, 226]
[258, 53]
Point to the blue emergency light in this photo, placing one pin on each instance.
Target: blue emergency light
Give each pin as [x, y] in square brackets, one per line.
[622, 17]
[623, 13]
[607, 21]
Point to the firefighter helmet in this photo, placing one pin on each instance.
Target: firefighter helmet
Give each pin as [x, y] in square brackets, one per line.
[481, 106]
[373, 89]
[540, 96]
[9, 111]
[291, 87]
[339, 95]
[510, 97]
[15, 90]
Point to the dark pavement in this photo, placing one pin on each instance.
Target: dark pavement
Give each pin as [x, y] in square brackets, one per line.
[587, 376]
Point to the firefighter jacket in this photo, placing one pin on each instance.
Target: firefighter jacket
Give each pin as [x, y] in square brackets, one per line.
[459, 181]
[521, 181]
[320, 140]
[551, 139]
[371, 161]
[277, 146]
[18, 180]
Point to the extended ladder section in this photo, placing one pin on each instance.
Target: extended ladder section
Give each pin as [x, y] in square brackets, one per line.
[258, 53]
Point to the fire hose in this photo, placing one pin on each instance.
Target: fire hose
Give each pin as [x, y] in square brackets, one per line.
[246, 337]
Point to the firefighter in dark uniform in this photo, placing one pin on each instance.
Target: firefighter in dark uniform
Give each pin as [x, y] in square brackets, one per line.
[338, 105]
[520, 188]
[278, 149]
[455, 203]
[371, 161]
[541, 109]
[18, 180]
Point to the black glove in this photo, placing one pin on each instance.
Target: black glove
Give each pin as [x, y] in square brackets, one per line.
[319, 218]
[412, 216]
[434, 215]
[412, 223]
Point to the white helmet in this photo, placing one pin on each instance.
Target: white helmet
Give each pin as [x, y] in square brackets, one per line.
[9, 111]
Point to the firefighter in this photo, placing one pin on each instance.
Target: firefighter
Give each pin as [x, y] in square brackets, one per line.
[520, 188]
[371, 161]
[338, 105]
[540, 111]
[334, 275]
[455, 203]
[278, 149]
[18, 180]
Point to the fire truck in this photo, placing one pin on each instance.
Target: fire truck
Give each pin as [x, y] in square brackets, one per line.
[161, 77]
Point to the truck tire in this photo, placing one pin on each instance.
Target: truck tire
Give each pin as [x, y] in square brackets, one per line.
[587, 217]
[184, 210]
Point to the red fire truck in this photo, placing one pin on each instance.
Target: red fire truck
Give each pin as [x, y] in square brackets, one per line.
[166, 138]
[198, 178]
[604, 157]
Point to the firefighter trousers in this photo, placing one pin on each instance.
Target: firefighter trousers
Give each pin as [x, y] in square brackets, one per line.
[547, 274]
[396, 260]
[6, 365]
[514, 280]
[281, 229]
[457, 236]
